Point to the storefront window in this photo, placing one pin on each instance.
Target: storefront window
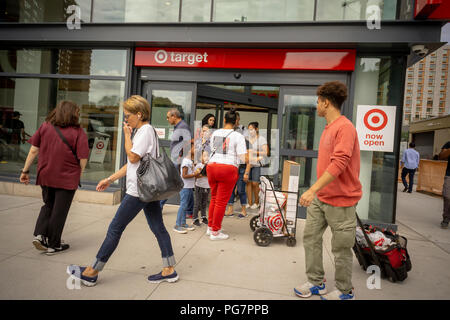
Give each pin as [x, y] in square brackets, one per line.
[377, 83]
[263, 10]
[64, 61]
[32, 11]
[136, 10]
[354, 9]
[29, 100]
[196, 11]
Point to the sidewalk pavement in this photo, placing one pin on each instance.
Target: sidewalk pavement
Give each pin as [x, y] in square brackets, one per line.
[235, 269]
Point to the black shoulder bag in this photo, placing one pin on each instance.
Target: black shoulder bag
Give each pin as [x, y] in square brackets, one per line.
[70, 147]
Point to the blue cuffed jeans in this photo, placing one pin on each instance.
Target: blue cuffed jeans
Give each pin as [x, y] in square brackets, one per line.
[240, 185]
[186, 205]
[128, 210]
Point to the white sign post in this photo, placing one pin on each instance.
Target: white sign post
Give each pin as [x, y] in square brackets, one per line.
[99, 150]
[376, 127]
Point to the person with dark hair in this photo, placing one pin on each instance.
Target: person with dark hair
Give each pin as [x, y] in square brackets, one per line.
[410, 163]
[209, 120]
[332, 199]
[259, 151]
[445, 155]
[58, 172]
[228, 150]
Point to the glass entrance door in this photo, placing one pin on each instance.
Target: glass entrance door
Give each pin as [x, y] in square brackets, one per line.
[301, 129]
[164, 96]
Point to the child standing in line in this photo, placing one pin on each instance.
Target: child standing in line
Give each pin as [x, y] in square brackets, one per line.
[187, 193]
[201, 191]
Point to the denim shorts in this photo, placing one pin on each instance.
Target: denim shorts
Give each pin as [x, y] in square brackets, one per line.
[255, 173]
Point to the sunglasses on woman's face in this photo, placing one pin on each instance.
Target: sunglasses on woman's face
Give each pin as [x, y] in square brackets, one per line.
[126, 116]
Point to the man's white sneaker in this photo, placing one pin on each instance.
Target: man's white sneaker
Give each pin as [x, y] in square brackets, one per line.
[254, 206]
[308, 289]
[338, 295]
[218, 236]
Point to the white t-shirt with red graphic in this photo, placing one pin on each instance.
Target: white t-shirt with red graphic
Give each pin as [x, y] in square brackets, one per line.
[227, 146]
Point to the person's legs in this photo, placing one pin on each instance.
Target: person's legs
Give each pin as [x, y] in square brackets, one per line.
[241, 186]
[230, 205]
[411, 179]
[249, 193]
[190, 205]
[213, 185]
[227, 176]
[63, 201]
[153, 214]
[204, 201]
[312, 241]
[404, 174]
[48, 196]
[128, 210]
[342, 221]
[197, 202]
[446, 196]
[184, 202]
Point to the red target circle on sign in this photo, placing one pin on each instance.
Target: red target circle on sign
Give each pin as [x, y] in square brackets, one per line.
[275, 222]
[372, 119]
[100, 145]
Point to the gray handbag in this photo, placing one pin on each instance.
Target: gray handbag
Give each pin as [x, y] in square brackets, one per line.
[157, 178]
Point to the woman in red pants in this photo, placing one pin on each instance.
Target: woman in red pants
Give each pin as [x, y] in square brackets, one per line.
[228, 151]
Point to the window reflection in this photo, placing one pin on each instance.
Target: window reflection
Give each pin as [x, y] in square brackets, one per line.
[136, 10]
[302, 126]
[196, 11]
[354, 9]
[263, 10]
[163, 101]
[31, 11]
[64, 61]
[33, 98]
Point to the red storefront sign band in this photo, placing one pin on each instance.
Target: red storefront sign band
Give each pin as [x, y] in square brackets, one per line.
[265, 59]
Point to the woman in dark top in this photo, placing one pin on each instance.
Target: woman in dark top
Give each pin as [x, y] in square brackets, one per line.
[58, 172]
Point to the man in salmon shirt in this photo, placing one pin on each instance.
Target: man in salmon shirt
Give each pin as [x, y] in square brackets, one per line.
[332, 200]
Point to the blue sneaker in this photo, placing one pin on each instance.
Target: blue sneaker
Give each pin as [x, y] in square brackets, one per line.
[77, 272]
[338, 295]
[188, 227]
[158, 278]
[308, 289]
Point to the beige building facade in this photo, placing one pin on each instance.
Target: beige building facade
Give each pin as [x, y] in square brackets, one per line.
[427, 88]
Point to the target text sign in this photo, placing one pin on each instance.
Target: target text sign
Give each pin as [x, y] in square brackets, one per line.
[376, 127]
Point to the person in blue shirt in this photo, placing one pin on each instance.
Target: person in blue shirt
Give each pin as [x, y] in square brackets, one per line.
[410, 162]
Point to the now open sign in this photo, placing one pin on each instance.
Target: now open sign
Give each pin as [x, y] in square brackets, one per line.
[376, 127]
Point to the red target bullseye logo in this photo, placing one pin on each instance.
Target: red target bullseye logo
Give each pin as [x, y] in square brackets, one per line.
[375, 119]
[100, 145]
[275, 222]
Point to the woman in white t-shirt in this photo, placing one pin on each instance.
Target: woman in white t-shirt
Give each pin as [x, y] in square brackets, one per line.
[258, 152]
[136, 115]
[228, 150]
